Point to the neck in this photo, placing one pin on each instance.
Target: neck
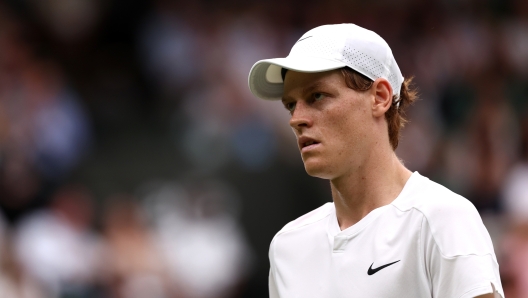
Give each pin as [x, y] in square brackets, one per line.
[375, 183]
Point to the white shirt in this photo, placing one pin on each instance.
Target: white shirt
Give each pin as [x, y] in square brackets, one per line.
[432, 240]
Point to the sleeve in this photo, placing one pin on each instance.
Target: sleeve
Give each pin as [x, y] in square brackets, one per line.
[459, 256]
[273, 290]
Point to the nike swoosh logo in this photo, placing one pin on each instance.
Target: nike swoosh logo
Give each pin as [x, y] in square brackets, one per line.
[372, 271]
[304, 38]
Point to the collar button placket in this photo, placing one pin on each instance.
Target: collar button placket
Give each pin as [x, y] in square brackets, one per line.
[340, 243]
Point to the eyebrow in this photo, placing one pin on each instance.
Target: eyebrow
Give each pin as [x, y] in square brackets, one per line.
[310, 88]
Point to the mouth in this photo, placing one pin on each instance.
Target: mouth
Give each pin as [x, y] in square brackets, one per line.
[306, 143]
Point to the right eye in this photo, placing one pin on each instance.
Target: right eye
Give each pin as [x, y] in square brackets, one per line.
[290, 106]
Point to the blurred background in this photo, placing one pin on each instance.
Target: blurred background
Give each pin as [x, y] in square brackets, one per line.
[134, 161]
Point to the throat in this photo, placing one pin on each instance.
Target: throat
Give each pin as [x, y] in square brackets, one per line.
[355, 197]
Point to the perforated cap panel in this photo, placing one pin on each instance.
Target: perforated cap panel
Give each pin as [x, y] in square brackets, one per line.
[369, 66]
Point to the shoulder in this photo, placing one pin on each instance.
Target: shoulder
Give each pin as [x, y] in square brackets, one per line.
[432, 199]
[451, 220]
[308, 219]
[308, 228]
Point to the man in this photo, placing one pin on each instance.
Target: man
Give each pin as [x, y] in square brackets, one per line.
[389, 232]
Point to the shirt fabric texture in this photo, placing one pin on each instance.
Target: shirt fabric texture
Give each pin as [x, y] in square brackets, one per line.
[435, 239]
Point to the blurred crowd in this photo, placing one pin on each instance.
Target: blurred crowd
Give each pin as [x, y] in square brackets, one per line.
[134, 161]
[177, 241]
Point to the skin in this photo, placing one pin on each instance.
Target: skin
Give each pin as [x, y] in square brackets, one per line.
[353, 150]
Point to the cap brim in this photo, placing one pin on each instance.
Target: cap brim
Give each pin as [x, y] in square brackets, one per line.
[265, 80]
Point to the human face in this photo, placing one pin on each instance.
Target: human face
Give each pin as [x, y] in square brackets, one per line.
[332, 122]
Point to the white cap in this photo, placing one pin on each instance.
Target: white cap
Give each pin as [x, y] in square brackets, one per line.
[326, 48]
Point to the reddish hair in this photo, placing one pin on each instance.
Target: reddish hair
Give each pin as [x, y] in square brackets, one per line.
[395, 115]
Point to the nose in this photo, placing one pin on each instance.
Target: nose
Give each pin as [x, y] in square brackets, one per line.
[301, 116]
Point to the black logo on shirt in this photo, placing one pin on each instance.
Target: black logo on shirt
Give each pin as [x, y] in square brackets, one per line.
[372, 271]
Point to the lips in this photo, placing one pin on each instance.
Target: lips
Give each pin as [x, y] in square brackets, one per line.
[306, 143]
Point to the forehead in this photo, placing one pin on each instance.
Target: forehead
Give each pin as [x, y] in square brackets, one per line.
[297, 83]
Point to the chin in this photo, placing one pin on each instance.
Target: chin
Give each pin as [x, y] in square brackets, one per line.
[318, 170]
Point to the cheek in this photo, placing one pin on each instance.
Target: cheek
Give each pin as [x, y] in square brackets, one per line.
[348, 129]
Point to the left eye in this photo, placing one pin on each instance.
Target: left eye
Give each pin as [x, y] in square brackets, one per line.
[318, 96]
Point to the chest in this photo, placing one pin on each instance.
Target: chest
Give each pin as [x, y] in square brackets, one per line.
[383, 260]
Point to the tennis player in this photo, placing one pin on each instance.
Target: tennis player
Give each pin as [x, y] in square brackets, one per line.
[389, 232]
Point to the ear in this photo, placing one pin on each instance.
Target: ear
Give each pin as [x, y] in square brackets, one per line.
[382, 97]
